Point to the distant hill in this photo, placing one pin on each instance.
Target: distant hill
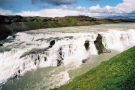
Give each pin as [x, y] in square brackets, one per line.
[116, 74]
[10, 25]
[121, 17]
[124, 16]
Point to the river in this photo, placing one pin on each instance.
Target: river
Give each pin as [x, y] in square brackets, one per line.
[47, 58]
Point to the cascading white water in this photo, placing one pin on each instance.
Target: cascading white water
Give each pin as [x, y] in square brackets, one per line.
[32, 50]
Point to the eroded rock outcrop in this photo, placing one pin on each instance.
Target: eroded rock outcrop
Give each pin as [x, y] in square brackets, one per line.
[60, 58]
[86, 45]
[99, 45]
[52, 43]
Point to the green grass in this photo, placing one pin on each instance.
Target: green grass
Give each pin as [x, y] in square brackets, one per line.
[116, 74]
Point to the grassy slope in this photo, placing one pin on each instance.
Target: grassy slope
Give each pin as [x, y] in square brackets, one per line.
[116, 74]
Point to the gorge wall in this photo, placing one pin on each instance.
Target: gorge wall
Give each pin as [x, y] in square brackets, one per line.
[10, 25]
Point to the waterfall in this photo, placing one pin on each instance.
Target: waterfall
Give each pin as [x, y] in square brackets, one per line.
[29, 51]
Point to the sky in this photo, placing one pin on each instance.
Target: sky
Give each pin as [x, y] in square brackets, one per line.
[60, 8]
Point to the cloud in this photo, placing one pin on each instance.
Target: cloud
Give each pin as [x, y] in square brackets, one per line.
[59, 12]
[126, 7]
[5, 12]
[55, 2]
[93, 11]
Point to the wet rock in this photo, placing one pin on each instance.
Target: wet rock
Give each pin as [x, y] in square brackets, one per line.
[60, 58]
[14, 36]
[60, 51]
[35, 62]
[19, 71]
[99, 45]
[4, 32]
[15, 76]
[45, 58]
[35, 51]
[59, 62]
[84, 61]
[52, 43]
[86, 45]
[38, 58]
[69, 37]
[1, 45]
[31, 56]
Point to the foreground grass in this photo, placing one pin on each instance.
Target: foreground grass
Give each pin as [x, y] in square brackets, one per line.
[116, 74]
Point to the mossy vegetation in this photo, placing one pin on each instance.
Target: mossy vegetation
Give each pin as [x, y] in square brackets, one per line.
[116, 74]
[42, 22]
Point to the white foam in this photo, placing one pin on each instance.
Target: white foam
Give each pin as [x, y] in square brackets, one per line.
[73, 50]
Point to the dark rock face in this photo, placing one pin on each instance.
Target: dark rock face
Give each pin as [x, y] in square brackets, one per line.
[59, 62]
[45, 58]
[1, 45]
[84, 61]
[60, 58]
[4, 32]
[37, 60]
[14, 36]
[86, 45]
[99, 45]
[52, 43]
